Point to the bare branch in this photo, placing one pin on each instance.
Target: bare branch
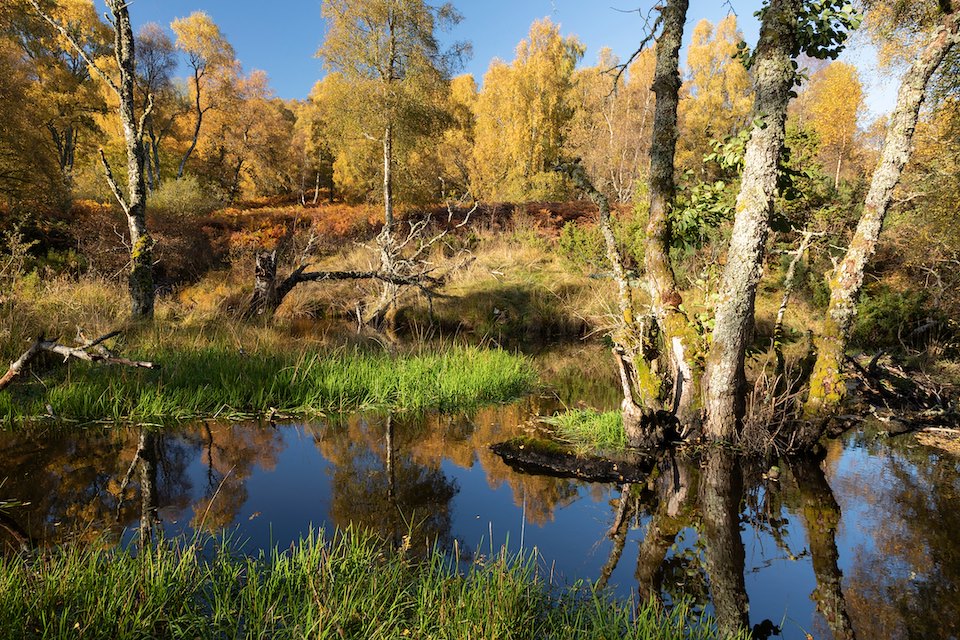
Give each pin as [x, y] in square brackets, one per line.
[651, 28]
[80, 353]
[76, 45]
[117, 193]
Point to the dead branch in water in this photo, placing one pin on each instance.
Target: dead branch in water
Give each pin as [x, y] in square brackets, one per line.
[83, 352]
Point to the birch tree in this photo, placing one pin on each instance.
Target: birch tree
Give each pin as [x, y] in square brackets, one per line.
[388, 51]
[827, 386]
[134, 201]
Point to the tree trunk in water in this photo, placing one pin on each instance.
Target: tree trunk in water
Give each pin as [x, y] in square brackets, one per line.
[822, 516]
[720, 492]
[774, 77]
[678, 336]
[640, 421]
[827, 386]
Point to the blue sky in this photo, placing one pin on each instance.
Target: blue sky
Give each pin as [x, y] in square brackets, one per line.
[281, 37]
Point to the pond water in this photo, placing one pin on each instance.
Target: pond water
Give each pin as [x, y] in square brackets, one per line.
[863, 544]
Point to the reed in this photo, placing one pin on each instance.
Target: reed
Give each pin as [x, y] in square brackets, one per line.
[225, 382]
[350, 586]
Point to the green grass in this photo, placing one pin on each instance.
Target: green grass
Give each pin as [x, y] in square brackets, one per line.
[222, 382]
[589, 430]
[351, 587]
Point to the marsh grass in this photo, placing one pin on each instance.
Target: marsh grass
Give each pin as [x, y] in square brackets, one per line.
[226, 383]
[589, 430]
[348, 587]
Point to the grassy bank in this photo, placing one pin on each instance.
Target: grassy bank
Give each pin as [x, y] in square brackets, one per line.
[218, 381]
[349, 588]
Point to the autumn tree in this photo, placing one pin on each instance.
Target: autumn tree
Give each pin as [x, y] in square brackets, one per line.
[248, 145]
[29, 167]
[388, 52]
[312, 141]
[156, 62]
[134, 201]
[935, 31]
[456, 145]
[211, 59]
[832, 104]
[522, 114]
[610, 129]
[64, 89]
[717, 94]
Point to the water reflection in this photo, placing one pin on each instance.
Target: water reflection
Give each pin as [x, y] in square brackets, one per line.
[858, 545]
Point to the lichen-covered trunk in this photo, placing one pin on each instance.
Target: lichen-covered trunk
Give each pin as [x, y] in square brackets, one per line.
[149, 505]
[141, 243]
[827, 386]
[636, 379]
[821, 514]
[773, 80]
[721, 490]
[679, 339]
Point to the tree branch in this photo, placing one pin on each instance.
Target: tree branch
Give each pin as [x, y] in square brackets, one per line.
[80, 353]
[76, 45]
[117, 193]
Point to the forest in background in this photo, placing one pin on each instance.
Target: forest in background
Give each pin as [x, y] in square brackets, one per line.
[230, 172]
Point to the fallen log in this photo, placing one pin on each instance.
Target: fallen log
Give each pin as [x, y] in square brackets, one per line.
[82, 352]
[544, 457]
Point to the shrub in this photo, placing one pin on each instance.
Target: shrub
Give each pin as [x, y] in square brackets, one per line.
[184, 197]
[580, 246]
[886, 317]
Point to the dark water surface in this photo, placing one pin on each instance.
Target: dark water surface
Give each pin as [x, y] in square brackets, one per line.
[864, 544]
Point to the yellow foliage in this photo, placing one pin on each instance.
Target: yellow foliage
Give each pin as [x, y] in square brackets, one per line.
[717, 96]
[832, 104]
[521, 115]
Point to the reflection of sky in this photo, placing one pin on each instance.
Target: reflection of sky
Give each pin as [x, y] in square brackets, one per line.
[292, 492]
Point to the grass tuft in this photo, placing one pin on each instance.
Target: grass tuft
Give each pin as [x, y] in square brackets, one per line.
[589, 430]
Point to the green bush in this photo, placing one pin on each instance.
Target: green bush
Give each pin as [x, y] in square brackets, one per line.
[887, 318]
[581, 247]
[183, 198]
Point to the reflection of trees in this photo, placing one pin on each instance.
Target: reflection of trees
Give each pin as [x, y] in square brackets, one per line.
[377, 483]
[72, 481]
[721, 490]
[906, 583]
[98, 482]
[707, 497]
[822, 515]
[465, 441]
[231, 453]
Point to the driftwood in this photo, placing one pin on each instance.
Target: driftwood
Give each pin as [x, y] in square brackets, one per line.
[91, 351]
[548, 458]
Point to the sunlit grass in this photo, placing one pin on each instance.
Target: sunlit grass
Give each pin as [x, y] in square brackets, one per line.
[350, 587]
[589, 430]
[222, 382]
